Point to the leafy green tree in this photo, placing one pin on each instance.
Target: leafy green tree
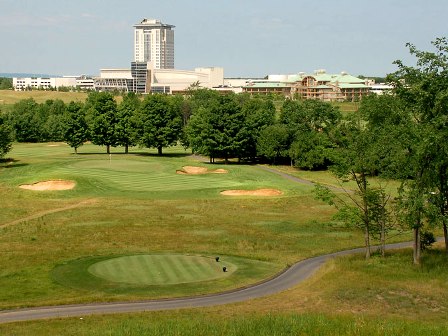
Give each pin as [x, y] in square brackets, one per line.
[259, 114]
[273, 142]
[217, 128]
[423, 90]
[75, 126]
[101, 111]
[159, 122]
[125, 128]
[25, 120]
[200, 133]
[309, 150]
[6, 136]
[53, 123]
[356, 158]
[310, 124]
[5, 83]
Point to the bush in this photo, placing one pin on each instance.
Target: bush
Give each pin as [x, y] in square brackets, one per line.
[426, 240]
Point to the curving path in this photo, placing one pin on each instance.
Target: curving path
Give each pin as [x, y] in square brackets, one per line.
[283, 281]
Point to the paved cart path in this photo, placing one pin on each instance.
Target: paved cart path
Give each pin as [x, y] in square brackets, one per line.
[283, 281]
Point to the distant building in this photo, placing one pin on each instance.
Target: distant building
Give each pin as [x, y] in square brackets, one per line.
[47, 83]
[319, 85]
[141, 78]
[152, 70]
[154, 42]
[381, 88]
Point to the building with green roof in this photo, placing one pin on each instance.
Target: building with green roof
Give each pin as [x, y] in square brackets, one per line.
[319, 85]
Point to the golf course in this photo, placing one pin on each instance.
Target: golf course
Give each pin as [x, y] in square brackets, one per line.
[93, 228]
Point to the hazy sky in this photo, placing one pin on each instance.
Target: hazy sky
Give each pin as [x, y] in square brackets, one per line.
[245, 37]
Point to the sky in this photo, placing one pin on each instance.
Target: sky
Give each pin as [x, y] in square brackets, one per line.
[248, 38]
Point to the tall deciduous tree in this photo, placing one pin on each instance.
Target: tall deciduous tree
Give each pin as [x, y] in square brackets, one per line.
[258, 113]
[125, 128]
[423, 89]
[101, 111]
[75, 126]
[159, 122]
[25, 120]
[310, 124]
[6, 136]
[273, 142]
[217, 128]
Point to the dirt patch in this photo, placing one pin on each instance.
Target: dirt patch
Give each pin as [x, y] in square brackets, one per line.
[257, 192]
[192, 170]
[49, 185]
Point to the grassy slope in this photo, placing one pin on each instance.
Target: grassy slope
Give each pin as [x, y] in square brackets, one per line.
[9, 97]
[348, 295]
[129, 213]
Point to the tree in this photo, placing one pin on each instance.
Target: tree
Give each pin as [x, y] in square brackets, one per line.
[310, 124]
[217, 128]
[259, 114]
[75, 126]
[6, 137]
[101, 112]
[5, 83]
[423, 90]
[159, 122]
[25, 121]
[273, 142]
[356, 158]
[125, 128]
[53, 126]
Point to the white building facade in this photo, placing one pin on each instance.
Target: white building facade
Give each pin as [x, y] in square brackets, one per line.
[154, 42]
[46, 83]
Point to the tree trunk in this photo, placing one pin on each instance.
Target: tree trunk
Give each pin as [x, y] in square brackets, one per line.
[383, 238]
[445, 235]
[108, 149]
[367, 241]
[76, 150]
[126, 149]
[159, 150]
[416, 246]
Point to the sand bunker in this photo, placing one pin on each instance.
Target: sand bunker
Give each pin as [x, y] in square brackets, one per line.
[50, 185]
[257, 192]
[191, 170]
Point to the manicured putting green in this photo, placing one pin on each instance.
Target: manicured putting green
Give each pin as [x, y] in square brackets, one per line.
[167, 269]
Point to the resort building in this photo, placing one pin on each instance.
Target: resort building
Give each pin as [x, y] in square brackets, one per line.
[319, 85]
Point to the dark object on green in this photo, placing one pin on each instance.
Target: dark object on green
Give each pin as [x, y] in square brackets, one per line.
[217, 259]
[224, 269]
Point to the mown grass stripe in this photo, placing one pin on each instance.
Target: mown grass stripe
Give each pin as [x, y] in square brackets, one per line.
[177, 267]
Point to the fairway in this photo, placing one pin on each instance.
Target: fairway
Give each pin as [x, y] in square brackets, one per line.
[160, 269]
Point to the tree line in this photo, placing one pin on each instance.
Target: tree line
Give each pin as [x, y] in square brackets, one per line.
[402, 136]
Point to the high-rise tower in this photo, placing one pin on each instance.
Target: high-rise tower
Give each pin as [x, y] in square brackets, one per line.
[154, 42]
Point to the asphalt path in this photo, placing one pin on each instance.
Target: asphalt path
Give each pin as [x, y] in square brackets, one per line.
[289, 278]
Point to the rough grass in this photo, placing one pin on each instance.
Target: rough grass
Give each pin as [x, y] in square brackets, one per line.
[196, 323]
[9, 97]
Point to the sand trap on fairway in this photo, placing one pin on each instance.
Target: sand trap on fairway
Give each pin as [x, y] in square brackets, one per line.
[50, 185]
[192, 170]
[257, 192]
